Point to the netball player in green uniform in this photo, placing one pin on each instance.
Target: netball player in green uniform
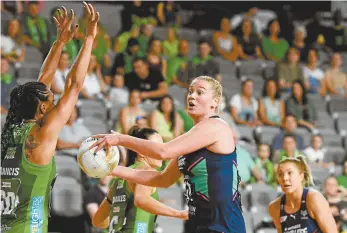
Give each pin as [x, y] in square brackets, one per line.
[130, 207]
[30, 134]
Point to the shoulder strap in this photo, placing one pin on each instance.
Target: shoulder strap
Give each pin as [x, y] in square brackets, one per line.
[303, 199]
[283, 202]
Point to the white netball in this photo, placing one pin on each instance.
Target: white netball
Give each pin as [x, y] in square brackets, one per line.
[98, 164]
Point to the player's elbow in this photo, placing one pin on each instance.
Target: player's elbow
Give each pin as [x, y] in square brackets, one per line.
[140, 202]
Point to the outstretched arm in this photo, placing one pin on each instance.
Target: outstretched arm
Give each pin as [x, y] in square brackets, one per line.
[193, 140]
[64, 35]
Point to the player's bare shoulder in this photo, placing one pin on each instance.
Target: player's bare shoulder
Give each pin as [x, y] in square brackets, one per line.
[274, 206]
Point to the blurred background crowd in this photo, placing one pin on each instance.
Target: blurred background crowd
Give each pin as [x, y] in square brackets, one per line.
[282, 66]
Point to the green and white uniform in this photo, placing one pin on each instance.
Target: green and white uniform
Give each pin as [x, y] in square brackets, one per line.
[125, 217]
[25, 187]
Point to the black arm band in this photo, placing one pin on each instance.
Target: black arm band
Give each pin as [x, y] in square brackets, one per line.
[108, 200]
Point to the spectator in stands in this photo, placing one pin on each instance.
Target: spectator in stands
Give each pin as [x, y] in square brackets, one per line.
[145, 37]
[119, 93]
[343, 178]
[177, 65]
[225, 43]
[7, 85]
[313, 75]
[263, 163]
[12, 7]
[142, 122]
[123, 63]
[72, 135]
[274, 47]
[94, 197]
[170, 46]
[301, 107]
[167, 13]
[60, 75]
[166, 120]
[335, 80]
[128, 115]
[271, 107]
[246, 166]
[315, 152]
[337, 36]
[36, 29]
[150, 83]
[290, 71]
[289, 126]
[244, 106]
[122, 42]
[289, 149]
[300, 34]
[12, 46]
[249, 43]
[336, 196]
[140, 13]
[154, 57]
[202, 64]
[94, 86]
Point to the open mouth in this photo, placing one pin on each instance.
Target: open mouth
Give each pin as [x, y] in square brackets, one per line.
[191, 105]
[287, 186]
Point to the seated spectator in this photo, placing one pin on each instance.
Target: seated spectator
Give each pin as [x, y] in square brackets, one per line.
[119, 93]
[343, 178]
[154, 57]
[336, 197]
[225, 43]
[170, 46]
[8, 83]
[12, 7]
[142, 122]
[123, 63]
[72, 135]
[122, 40]
[289, 126]
[337, 34]
[263, 163]
[316, 152]
[60, 75]
[299, 42]
[301, 107]
[249, 43]
[289, 149]
[274, 48]
[165, 119]
[129, 114]
[150, 83]
[244, 106]
[202, 64]
[36, 29]
[188, 122]
[140, 13]
[290, 71]
[94, 86]
[335, 80]
[271, 107]
[94, 198]
[12, 46]
[246, 167]
[313, 75]
[177, 65]
[167, 14]
[145, 37]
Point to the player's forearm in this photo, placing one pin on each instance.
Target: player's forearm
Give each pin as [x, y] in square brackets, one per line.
[79, 69]
[144, 177]
[155, 207]
[50, 64]
[101, 217]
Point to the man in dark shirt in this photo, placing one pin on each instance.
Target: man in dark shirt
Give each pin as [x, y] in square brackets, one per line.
[150, 83]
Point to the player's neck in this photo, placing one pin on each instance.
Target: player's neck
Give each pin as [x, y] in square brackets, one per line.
[294, 199]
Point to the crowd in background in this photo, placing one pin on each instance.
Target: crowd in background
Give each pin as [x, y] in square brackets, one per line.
[136, 69]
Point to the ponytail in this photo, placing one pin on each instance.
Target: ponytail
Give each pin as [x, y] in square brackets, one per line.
[301, 164]
[137, 132]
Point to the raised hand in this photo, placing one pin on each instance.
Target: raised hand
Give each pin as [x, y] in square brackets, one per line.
[63, 23]
[93, 19]
[105, 141]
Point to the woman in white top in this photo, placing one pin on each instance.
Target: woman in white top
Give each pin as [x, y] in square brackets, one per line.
[94, 86]
[316, 152]
[312, 73]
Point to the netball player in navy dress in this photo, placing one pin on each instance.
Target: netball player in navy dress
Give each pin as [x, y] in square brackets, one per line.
[300, 209]
[206, 156]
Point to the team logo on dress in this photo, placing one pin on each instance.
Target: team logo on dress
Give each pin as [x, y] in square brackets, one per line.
[116, 209]
[293, 216]
[303, 214]
[283, 219]
[120, 184]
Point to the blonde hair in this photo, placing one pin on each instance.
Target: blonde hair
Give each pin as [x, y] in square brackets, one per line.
[302, 166]
[216, 87]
